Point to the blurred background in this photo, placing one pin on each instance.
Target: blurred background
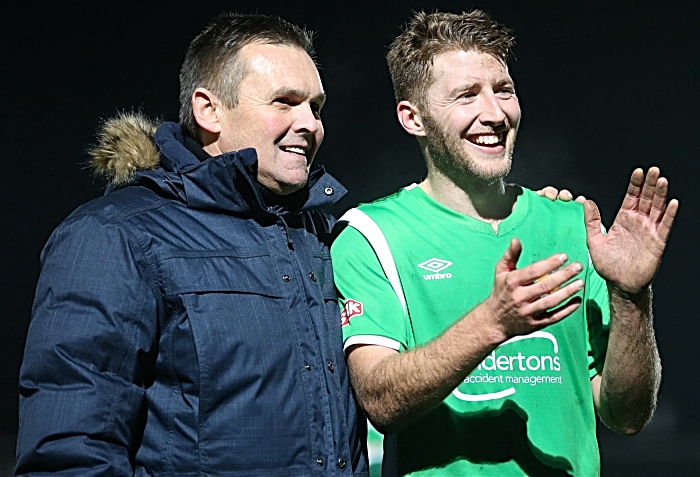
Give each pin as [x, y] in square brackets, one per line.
[604, 87]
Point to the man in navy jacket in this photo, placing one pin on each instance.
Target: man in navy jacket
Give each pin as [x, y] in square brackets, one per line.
[186, 322]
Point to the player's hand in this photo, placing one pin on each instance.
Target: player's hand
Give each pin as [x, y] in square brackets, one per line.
[628, 256]
[527, 299]
[552, 193]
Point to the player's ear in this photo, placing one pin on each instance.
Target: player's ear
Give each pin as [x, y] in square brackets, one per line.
[410, 118]
[206, 109]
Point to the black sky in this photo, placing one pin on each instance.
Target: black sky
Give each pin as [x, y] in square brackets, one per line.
[603, 87]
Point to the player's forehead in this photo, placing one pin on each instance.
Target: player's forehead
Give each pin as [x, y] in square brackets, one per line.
[463, 68]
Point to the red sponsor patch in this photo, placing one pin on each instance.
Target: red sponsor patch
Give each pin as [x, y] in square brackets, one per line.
[352, 308]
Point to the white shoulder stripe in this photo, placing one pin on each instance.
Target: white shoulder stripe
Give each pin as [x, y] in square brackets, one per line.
[364, 224]
[372, 340]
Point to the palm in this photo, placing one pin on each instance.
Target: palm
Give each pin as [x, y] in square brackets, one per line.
[629, 254]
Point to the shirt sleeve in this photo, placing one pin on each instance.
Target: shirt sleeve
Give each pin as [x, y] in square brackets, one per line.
[597, 311]
[371, 311]
[88, 354]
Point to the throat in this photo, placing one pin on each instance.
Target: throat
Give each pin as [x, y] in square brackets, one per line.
[491, 204]
[494, 223]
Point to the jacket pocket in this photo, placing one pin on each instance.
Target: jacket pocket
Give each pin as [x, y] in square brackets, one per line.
[203, 272]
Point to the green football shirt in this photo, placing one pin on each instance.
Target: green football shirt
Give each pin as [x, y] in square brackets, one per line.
[407, 268]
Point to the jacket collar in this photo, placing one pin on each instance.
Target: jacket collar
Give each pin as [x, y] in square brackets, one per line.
[224, 184]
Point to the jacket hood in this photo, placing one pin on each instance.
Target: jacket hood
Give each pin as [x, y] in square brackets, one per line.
[135, 150]
[125, 145]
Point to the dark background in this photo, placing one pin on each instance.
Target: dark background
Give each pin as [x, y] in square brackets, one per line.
[603, 87]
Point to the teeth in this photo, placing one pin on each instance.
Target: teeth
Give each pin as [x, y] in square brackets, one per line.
[487, 139]
[295, 149]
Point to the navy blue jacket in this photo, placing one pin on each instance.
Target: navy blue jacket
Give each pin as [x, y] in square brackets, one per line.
[181, 326]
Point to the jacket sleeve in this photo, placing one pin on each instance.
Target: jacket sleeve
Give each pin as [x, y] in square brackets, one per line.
[89, 353]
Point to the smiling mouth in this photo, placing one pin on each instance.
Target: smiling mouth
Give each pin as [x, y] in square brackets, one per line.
[488, 139]
[294, 149]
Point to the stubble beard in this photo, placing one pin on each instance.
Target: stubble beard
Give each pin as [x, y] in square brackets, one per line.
[448, 155]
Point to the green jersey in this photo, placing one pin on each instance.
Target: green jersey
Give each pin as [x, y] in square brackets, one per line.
[407, 268]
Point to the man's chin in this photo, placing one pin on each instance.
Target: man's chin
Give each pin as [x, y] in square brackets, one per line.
[288, 188]
[284, 184]
[488, 169]
[494, 175]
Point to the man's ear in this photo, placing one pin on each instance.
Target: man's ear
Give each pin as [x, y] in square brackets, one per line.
[206, 109]
[410, 119]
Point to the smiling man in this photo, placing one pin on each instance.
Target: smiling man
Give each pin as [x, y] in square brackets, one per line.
[186, 323]
[278, 113]
[485, 325]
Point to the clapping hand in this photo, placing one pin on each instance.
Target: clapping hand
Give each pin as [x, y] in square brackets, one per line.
[629, 255]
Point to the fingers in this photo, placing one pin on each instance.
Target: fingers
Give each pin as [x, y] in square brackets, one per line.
[565, 195]
[548, 192]
[525, 299]
[538, 270]
[548, 289]
[553, 194]
[558, 295]
[545, 278]
[547, 305]
[650, 192]
[581, 199]
[646, 192]
[510, 257]
[658, 202]
[634, 190]
[558, 314]
[649, 189]
[666, 224]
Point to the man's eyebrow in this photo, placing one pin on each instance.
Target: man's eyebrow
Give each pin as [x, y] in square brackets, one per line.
[300, 94]
[505, 81]
[467, 86]
[461, 88]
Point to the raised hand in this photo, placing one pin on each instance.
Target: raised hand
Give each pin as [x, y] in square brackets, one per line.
[628, 256]
[527, 299]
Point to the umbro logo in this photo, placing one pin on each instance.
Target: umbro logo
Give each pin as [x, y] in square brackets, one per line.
[436, 265]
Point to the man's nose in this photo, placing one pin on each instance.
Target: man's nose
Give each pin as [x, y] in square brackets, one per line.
[306, 121]
[491, 112]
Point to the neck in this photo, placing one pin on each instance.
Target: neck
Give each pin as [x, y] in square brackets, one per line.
[488, 201]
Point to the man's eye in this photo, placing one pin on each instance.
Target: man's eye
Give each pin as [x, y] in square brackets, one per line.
[316, 110]
[286, 101]
[506, 92]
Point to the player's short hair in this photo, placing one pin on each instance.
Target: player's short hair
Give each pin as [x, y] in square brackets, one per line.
[212, 59]
[427, 35]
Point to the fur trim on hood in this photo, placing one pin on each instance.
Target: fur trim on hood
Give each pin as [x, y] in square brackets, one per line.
[125, 145]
